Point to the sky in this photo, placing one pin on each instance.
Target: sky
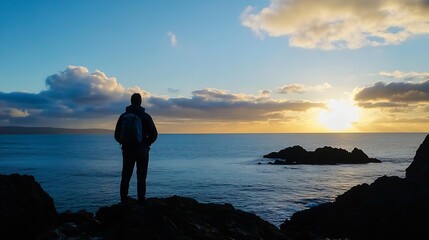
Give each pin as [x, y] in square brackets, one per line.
[217, 66]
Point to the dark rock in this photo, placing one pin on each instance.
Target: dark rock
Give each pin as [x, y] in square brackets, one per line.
[82, 222]
[26, 210]
[419, 168]
[75, 217]
[69, 229]
[183, 218]
[292, 154]
[278, 162]
[389, 208]
[325, 155]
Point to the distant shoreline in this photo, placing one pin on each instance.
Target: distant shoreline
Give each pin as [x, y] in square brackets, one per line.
[15, 130]
[19, 130]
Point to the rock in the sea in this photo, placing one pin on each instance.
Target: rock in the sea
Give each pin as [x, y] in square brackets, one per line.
[389, 208]
[325, 155]
[26, 210]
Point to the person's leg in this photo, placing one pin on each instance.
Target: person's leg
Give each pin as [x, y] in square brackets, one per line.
[127, 171]
[142, 165]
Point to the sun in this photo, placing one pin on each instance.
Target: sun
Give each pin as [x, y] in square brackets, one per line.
[339, 115]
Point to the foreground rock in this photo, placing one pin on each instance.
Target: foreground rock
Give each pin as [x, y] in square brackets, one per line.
[419, 168]
[183, 218]
[26, 210]
[389, 208]
[325, 155]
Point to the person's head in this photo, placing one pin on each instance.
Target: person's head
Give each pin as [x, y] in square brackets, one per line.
[136, 99]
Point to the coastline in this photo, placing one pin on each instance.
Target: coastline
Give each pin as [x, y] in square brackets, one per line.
[12, 130]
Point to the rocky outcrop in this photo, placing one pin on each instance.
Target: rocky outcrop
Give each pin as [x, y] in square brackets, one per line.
[325, 155]
[389, 208]
[26, 210]
[419, 168]
[165, 218]
[183, 218]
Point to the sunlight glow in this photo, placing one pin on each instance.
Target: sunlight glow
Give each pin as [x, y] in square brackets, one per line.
[339, 115]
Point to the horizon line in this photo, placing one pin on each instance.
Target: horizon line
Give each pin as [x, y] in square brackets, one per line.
[196, 133]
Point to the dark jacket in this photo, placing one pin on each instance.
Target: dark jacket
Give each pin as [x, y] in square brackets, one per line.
[150, 134]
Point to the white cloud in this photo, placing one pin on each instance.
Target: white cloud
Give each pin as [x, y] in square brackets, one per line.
[16, 113]
[333, 24]
[405, 75]
[75, 96]
[173, 39]
[215, 104]
[73, 93]
[292, 88]
[78, 85]
[300, 88]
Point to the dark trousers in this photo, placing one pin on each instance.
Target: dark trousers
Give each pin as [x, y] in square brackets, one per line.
[134, 156]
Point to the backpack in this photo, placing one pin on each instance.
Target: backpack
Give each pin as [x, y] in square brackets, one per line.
[131, 129]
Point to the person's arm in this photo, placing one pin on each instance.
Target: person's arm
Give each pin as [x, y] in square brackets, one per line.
[152, 134]
[118, 130]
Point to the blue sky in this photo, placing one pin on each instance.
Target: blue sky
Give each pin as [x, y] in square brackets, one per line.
[228, 62]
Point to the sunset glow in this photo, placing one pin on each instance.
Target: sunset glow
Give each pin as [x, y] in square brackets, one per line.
[339, 115]
[264, 66]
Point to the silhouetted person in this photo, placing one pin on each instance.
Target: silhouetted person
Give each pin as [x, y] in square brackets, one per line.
[135, 131]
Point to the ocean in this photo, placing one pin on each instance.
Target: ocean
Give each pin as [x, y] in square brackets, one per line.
[83, 171]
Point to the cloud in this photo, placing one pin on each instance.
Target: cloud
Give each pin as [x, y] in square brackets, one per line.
[16, 113]
[214, 104]
[405, 96]
[71, 94]
[265, 92]
[336, 24]
[292, 88]
[300, 88]
[76, 85]
[381, 105]
[173, 39]
[405, 75]
[395, 92]
[76, 97]
[396, 106]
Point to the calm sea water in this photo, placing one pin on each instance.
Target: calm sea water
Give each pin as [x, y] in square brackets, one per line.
[83, 171]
